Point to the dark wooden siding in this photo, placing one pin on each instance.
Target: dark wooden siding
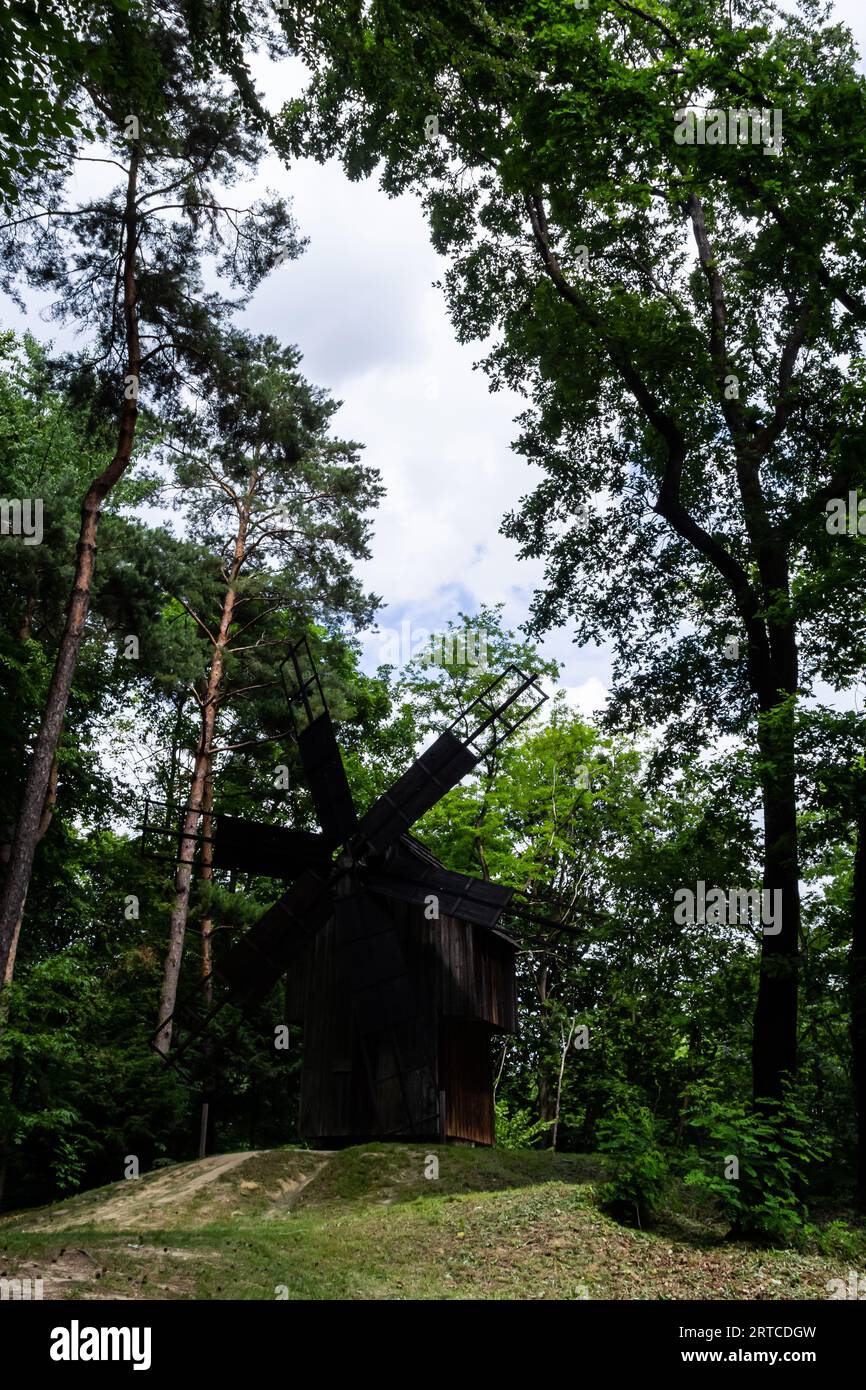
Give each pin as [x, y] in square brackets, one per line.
[400, 1098]
[366, 1081]
[474, 973]
[326, 1082]
[495, 987]
[371, 1070]
[295, 997]
[465, 1075]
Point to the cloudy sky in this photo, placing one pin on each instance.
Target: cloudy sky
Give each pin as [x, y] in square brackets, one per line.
[361, 306]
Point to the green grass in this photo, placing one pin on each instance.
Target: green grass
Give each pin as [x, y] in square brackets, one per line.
[495, 1224]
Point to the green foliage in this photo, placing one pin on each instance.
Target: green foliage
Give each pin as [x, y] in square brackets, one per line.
[517, 1129]
[776, 1146]
[55, 53]
[49, 51]
[81, 1088]
[686, 420]
[640, 1171]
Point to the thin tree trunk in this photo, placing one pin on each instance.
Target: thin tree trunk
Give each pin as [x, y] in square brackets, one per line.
[501, 1068]
[206, 874]
[41, 830]
[545, 1098]
[565, 1045]
[36, 786]
[195, 800]
[857, 996]
[183, 873]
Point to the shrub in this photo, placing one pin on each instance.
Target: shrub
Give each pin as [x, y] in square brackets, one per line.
[640, 1175]
[756, 1163]
[516, 1129]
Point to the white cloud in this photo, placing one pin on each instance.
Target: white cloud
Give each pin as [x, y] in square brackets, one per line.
[588, 698]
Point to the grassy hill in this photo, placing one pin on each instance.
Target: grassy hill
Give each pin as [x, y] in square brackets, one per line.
[366, 1223]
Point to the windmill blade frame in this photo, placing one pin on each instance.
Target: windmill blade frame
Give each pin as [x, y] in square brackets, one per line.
[492, 719]
[444, 764]
[317, 745]
[275, 851]
[447, 761]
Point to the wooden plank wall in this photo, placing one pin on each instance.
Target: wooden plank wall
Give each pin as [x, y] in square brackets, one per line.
[388, 1080]
[465, 1071]
[378, 1081]
[475, 973]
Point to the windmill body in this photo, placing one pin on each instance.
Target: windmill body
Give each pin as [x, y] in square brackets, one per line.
[398, 1009]
[396, 967]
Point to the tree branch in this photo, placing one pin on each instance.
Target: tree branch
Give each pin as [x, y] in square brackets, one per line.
[192, 613]
[668, 503]
[731, 409]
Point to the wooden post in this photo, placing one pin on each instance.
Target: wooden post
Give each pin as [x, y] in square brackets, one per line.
[202, 1142]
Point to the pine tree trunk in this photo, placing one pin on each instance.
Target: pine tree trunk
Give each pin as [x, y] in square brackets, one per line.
[41, 830]
[36, 787]
[196, 800]
[183, 875]
[206, 875]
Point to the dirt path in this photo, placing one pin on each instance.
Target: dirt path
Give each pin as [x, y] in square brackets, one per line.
[263, 1181]
[139, 1202]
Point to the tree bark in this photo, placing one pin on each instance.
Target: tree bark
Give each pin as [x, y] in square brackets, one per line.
[774, 1046]
[183, 873]
[772, 639]
[201, 770]
[206, 875]
[857, 996]
[565, 1039]
[545, 1024]
[41, 830]
[36, 786]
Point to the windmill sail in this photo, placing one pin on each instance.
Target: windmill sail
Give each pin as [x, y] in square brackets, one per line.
[255, 963]
[254, 847]
[326, 778]
[444, 764]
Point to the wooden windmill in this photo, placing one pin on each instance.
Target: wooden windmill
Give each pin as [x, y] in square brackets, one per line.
[396, 967]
